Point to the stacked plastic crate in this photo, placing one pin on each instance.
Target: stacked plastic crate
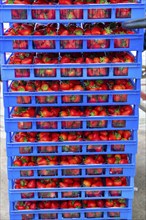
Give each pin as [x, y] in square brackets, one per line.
[71, 91]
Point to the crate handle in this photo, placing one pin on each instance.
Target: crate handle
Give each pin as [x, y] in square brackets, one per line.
[135, 24]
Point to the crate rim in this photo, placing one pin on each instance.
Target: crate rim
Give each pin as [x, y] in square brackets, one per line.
[61, 37]
[72, 143]
[69, 118]
[72, 92]
[72, 210]
[66, 189]
[75, 166]
[138, 5]
[69, 65]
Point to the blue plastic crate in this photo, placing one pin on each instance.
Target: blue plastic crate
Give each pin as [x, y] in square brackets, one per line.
[125, 213]
[79, 148]
[28, 149]
[18, 98]
[112, 70]
[79, 193]
[136, 11]
[63, 123]
[14, 173]
[71, 171]
[31, 124]
[132, 71]
[64, 148]
[39, 124]
[135, 42]
[36, 72]
[57, 98]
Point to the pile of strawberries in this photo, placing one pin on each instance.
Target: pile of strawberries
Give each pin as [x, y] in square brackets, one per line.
[54, 29]
[72, 136]
[70, 160]
[46, 58]
[76, 85]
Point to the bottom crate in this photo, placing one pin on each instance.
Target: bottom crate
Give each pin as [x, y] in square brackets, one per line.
[100, 214]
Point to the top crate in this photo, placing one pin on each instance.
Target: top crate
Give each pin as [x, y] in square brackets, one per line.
[80, 13]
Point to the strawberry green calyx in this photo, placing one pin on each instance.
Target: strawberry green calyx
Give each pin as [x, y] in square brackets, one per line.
[99, 81]
[45, 87]
[78, 32]
[10, 2]
[108, 30]
[102, 59]
[92, 114]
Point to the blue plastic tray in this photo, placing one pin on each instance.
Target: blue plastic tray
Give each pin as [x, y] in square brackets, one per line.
[126, 192]
[11, 135]
[137, 11]
[14, 173]
[11, 99]
[61, 171]
[133, 70]
[108, 147]
[28, 149]
[135, 43]
[64, 148]
[81, 192]
[130, 122]
[84, 97]
[125, 213]
[35, 123]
